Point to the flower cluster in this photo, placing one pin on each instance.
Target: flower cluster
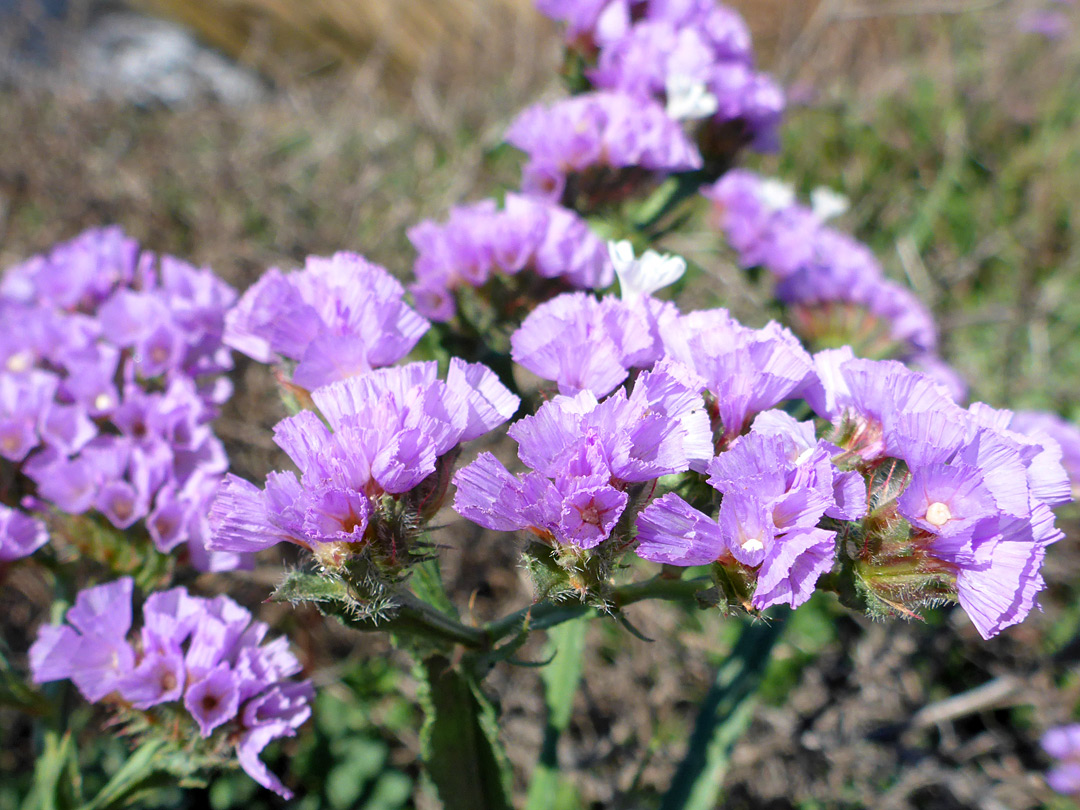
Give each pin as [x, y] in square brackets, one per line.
[1063, 744]
[913, 498]
[743, 371]
[374, 475]
[598, 145]
[587, 456]
[694, 57]
[1050, 21]
[624, 331]
[337, 317]
[111, 369]
[206, 654]
[956, 504]
[477, 242]
[955, 494]
[832, 285]
[778, 482]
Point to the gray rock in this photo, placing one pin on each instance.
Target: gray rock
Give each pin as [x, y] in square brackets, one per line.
[146, 61]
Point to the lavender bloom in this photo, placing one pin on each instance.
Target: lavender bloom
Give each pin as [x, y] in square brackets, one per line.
[214, 699]
[119, 421]
[1047, 23]
[747, 208]
[337, 317]
[976, 494]
[591, 20]
[78, 274]
[479, 241]
[707, 51]
[584, 455]
[886, 409]
[625, 331]
[1040, 425]
[93, 652]
[828, 280]
[597, 23]
[24, 401]
[622, 335]
[387, 431]
[745, 371]
[205, 652]
[775, 493]
[20, 535]
[597, 130]
[640, 62]
[1063, 744]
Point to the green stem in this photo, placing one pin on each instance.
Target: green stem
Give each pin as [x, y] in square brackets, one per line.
[548, 614]
[417, 616]
[724, 715]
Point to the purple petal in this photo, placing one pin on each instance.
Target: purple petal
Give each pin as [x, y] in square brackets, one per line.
[793, 566]
[673, 532]
[214, 699]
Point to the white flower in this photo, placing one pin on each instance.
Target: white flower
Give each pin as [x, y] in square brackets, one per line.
[775, 194]
[827, 203]
[644, 276]
[688, 99]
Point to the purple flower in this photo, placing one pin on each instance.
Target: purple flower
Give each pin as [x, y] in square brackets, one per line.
[78, 274]
[119, 422]
[831, 282]
[621, 335]
[886, 408]
[206, 652]
[384, 433]
[997, 567]
[214, 699]
[762, 221]
[1063, 744]
[93, 651]
[478, 241]
[337, 317]
[20, 535]
[584, 454]
[597, 130]
[24, 402]
[976, 494]
[1040, 425]
[777, 484]
[590, 20]
[640, 62]
[745, 371]
[1047, 23]
[788, 565]
[947, 499]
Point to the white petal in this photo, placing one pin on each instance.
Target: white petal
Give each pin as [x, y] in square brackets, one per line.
[776, 194]
[689, 99]
[827, 203]
[644, 276]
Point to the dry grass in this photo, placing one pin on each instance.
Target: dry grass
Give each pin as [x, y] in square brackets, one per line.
[410, 37]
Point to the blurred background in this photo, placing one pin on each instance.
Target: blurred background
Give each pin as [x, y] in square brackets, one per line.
[243, 134]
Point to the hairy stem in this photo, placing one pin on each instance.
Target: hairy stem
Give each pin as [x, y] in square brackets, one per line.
[547, 614]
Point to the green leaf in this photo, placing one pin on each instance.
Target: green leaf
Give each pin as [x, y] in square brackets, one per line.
[722, 719]
[427, 584]
[461, 750]
[51, 791]
[141, 772]
[561, 678]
